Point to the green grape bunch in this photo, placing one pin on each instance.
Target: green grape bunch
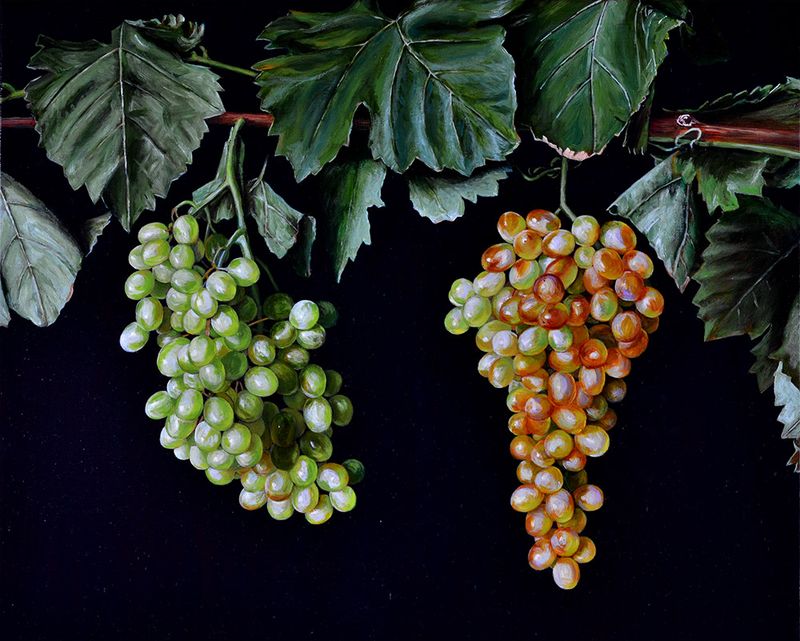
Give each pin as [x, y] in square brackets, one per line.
[239, 404]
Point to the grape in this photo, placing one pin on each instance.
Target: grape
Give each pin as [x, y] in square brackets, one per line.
[133, 338]
[280, 510]
[321, 512]
[278, 306]
[225, 322]
[355, 470]
[304, 314]
[159, 406]
[149, 313]
[236, 439]
[460, 291]
[186, 230]
[139, 284]
[219, 476]
[343, 500]
[566, 573]
[244, 271]
[454, 322]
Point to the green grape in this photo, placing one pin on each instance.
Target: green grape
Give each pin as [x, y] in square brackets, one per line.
[295, 400]
[533, 341]
[168, 441]
[218, 413]
[199, 250]
[186, 281]
[202, 350]
[279, 485]
[294, 356]
[225, 322]
[342, 410]
[206, 437]
[175, 387]
[327, 314]
[248, 407]
[252, 500]
[332, 477]
[159, 406]
[283, 334]
[213, 376]
[487, 284]
[198, 458]
[185, 229]
[186, 362]
[333, 382]
[252, 481]
[321, 512]
[477, 310]
[261, 350]
[313, 338]
[235, 364]
[166, 338]
[460, 291]
[304, 499]
[454, 322]
[193, 324]
[283, 429]
[287, 378]
[152, 231]
[253, 453]
[176, 321]
[257, 427]
[318, 414]
[304, 471]
[355, 469]
[297, 417]
[163, 273]
[278, 306]
[261, 381]
[284, 457]
[193, 381]
[312, 381]
[560, 339]
[182, 452]
[133, 337]
[244, 271]
[343, 500]
[181, 257]
[177, 301]
[221, 286]
[304, 314]
[236, 439]
[240, 340]
[178, 427]
[135, 258]
[316, 446]
[204, 304]
[155, 252]
[189, 405]
[219, 477]
[265, 465]
[139, 284]
[247, 310]
[167, 359]
[160, 290]
[280, 510]
[220, 459]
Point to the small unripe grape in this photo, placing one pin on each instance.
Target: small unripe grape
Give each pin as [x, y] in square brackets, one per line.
[321, 512]
[221, 286]
[240, 339]
[488, 284]
[181, 257]
[252, 500]
[133, 337]
[261, 381]
[355, 470]
[566, 573]
[198, 458]
[528, 245]
[618, 236]
[332, 477]
[560, 339]
[343, 500]
[460, 291]
[149, 313]
[305, 499]
[564, 541]
[638, 262]
[155, 252]
[136, 259]
[586, 550]
[521, 447]
[285, 456]
[509, 225]
[189, 405]
[313, 338]
[304, 314]
[548, 480]
[525, 498]
[235, 364]
[218, 413]
[542, 221]
[477, 310]
[278, 306]
[584, 257]
[617, 365]
[593, 441]
[560, 506]
[651, 303]
[159, 406]
[342, 408]
[586, 230]
[177, 301]
[317, 414]
[204, 304]
[588, 497]
[287, 378]
[279, 485]
[333, 382]
[558, 444]
[152, 231]
[179, 428]
[261, 350]
[498, 258]
[192, 323]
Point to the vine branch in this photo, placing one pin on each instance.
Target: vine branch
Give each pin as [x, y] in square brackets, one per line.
[563, 190]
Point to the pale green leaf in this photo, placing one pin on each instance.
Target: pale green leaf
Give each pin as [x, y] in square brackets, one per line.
[92, 229]
[276, 221]
[5, 315]
[723, 173]
[788, 350]
[440, 198]
[787, 397]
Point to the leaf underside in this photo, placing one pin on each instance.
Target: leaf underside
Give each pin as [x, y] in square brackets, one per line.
[276, 221]
[300, 254]
[438, 85]
[441, 198]
[39, 258]
[722, 174]
[586, 67]
[121, 118]
[92, 229]
[787, 396]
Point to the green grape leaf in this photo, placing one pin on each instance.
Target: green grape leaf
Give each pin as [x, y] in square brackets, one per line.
[764, 366]
[783, 173]
[637, 134]
[585, 68]
[121, 118]
[788, 351]
[92, 229]
[795, 458]
[301, 252]
[215, 196]
[438, 84]
[787, 397]
[440, 198]
[749, 267]
[276, 221]
[5, 315]
[173, 32]
[351, 188]
[722, 173]
[39, 258]
[776, 103]
[662, 205]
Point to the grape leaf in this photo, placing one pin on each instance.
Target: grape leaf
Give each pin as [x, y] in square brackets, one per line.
[173, 32]
[783, 173]
[764, 366]
[637, 134]
[722, 173]
[438, 84]
[5, 315]
[39, 258]
[441, 198]
[787, 396]
[775, 103]
[351, 188]
[662, 205]
[301, 252]
[92, 229]
[276, 221]
[749, 266]
[215, 196]
[121, 118]
[788, 350]
[585, 68]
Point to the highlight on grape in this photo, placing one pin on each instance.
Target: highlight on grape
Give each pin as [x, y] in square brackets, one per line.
[559, 314]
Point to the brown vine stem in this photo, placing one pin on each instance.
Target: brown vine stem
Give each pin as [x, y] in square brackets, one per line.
[747, 136]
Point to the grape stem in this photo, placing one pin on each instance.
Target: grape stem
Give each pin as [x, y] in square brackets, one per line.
[563, 207]
[203, 59]
[13, 93]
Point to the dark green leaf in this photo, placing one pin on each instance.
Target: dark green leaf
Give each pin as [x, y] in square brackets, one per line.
[172, 32]
[749, 267]
[5, 315]
[783, 173]
[215, 197]
[438, 85]
[441, 198]
[674, 8]
[637, 130]
[779, 100]
[764, 366]
[585, 68]
[788, 350]
[662, 205]
[39, 258]
[92, 229]
[351, 188]
[122, 118]
[301, 253]
[787, 397]
[276, 221]
[722, 173]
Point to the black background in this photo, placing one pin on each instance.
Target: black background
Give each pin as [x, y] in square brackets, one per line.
[106, 535]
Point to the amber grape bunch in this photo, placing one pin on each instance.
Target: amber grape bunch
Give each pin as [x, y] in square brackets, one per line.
[560, 315]
[239, 405]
